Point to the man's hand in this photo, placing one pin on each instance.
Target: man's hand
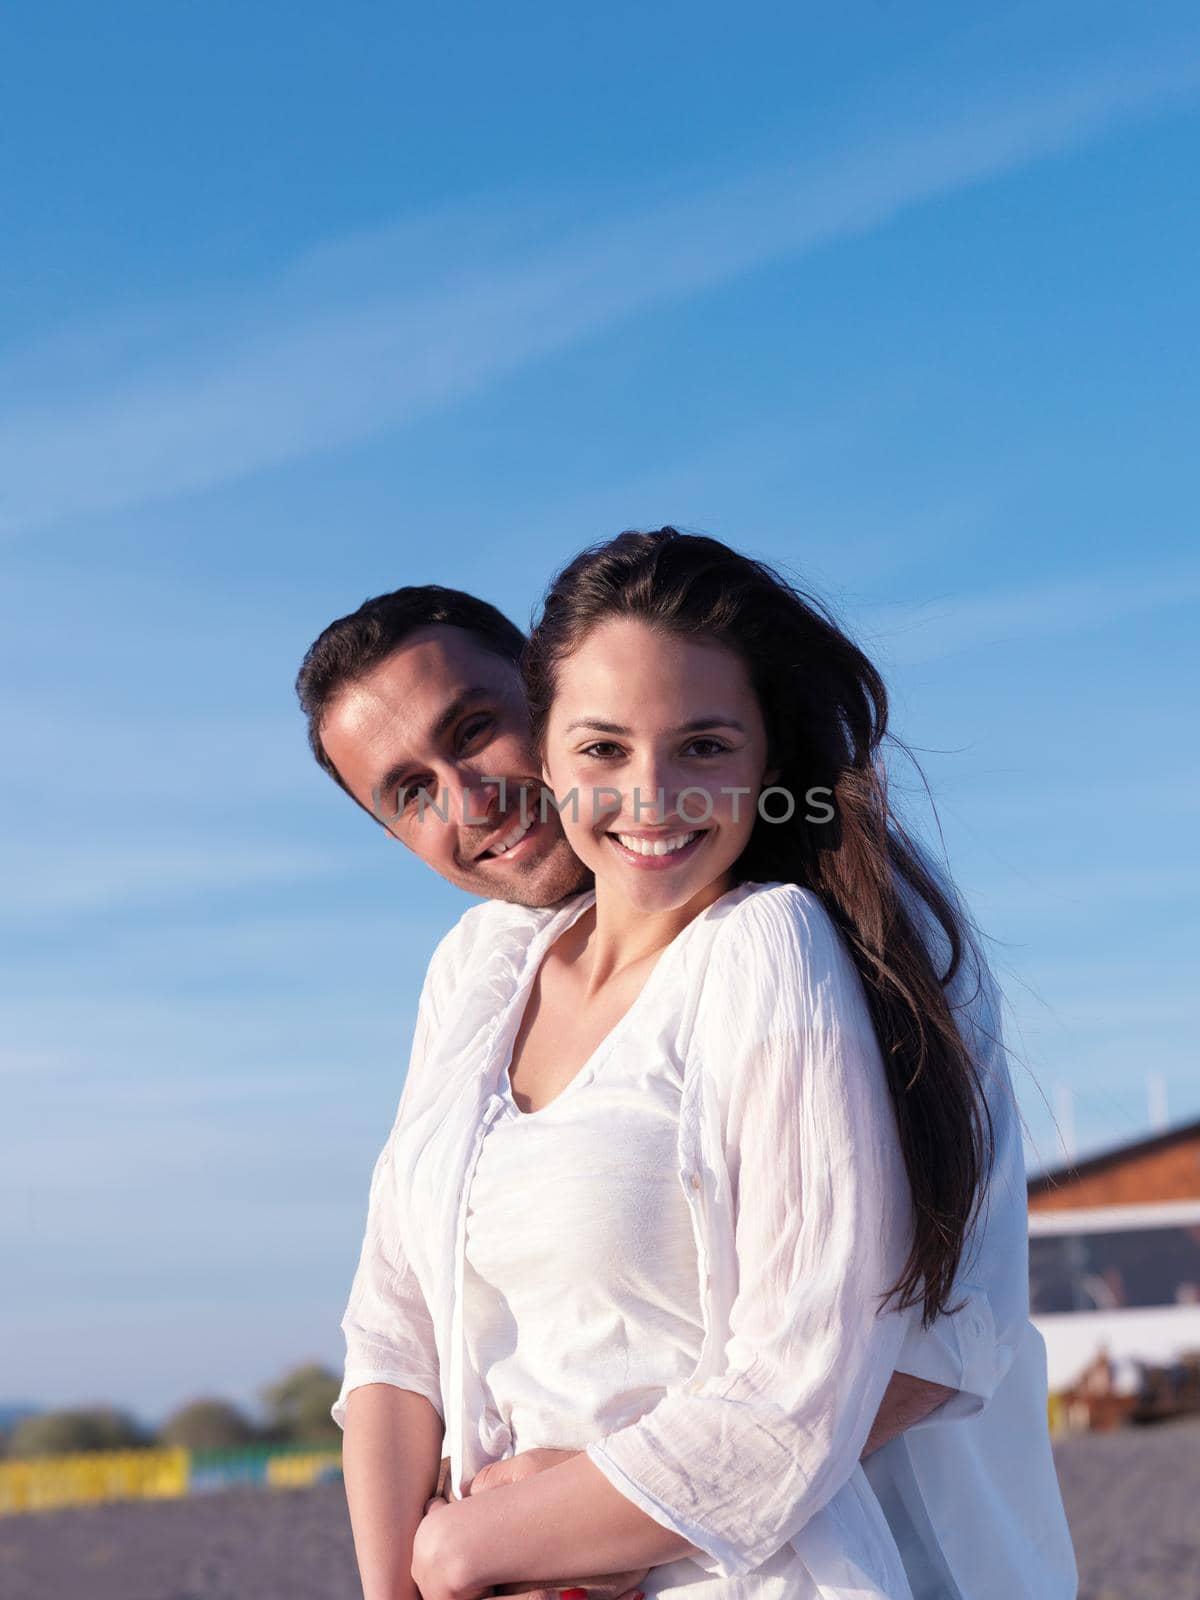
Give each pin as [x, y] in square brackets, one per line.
[513, 1468]
[611, 1586]
[442, 1487]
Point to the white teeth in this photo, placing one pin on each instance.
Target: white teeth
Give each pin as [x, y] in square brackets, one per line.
[656, 847]
[510, 839]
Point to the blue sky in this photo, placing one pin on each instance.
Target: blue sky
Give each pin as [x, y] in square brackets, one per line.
[299, 303]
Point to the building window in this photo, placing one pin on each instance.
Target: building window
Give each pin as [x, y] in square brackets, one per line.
[1136, 1267]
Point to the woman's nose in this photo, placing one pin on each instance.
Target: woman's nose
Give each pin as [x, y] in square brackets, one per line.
[649, 800]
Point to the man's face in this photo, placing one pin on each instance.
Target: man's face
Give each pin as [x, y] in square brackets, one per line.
[439, 716]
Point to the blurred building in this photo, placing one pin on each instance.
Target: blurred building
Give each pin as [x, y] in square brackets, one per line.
[1114, 1268]
[1163, 1167]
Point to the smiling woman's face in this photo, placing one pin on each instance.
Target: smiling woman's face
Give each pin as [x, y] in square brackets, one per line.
[663, 741]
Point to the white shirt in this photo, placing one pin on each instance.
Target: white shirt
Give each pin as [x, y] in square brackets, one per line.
[580, 1284]
[581, 1291]
[788, 1159]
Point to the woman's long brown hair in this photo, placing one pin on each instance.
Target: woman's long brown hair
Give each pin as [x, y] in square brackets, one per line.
[826, 711]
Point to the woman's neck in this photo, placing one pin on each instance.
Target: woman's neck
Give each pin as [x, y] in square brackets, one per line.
[616, 936]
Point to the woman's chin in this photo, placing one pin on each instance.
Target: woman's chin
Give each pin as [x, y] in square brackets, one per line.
[649, 899]
[657, 884]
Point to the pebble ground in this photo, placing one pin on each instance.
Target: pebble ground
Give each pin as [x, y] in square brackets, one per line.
[1133, 1499]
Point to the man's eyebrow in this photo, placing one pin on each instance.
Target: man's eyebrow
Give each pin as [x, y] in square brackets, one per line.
[697, 725]
[461, 703]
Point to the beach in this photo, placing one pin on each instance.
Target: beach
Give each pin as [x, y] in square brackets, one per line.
[1131, 1498]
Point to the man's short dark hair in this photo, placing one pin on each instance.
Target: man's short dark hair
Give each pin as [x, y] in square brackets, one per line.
[349, 648]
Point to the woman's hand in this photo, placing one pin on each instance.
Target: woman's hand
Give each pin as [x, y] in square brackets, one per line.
[615, 1586]
[434, 1571]
[610, 1586]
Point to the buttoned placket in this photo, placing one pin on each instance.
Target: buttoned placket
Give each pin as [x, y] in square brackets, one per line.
[690, 1171]
[492, 1107]
[494, 1104]
[689, 1149]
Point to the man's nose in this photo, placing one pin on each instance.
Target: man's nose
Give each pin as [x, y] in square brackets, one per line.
[474, 801]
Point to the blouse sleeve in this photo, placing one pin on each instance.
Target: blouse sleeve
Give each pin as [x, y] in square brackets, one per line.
[738, 1463]
[387, 1324]
[971, 1348]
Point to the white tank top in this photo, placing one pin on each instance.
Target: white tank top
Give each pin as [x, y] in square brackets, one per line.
[581, 1295]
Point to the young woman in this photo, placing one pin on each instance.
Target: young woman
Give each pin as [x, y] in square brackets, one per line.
[683, 1166]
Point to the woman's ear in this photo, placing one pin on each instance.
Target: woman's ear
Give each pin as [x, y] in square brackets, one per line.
[770, 776]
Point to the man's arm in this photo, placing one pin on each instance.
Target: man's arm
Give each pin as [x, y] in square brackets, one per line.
[906, 1401]
[390, 1449]
[460, 1557]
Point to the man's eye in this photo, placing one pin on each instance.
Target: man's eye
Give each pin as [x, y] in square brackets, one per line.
[407, 794]
[474, 727]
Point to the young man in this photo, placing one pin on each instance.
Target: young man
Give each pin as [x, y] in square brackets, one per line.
[419, 692]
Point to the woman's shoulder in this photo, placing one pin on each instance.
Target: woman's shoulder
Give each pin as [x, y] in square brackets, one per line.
[773, 923]
[778, 963]
[780, 989]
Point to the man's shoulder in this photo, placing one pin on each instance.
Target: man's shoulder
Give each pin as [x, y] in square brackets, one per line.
[484, 928]
[482, 921]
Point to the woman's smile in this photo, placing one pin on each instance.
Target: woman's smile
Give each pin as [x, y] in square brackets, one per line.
[658, 851]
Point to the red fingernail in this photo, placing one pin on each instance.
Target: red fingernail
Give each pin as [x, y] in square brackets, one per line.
[572, 1594]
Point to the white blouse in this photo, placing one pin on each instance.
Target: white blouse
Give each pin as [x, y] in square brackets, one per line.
[581, 1293]
[788, 1159]
[580, 1285]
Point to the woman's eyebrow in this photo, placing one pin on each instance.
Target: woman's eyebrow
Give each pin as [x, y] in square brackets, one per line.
[697, 725]
[597, 723]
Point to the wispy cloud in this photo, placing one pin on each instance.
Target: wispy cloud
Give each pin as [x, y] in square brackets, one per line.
[335, 353]
[82, 880]
[911, 635]
[36, 1063]
[1147, 1016]
[1006, 804]
[1087, 890]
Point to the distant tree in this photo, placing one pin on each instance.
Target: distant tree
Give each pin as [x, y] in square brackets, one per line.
[207, 1425]
[297, 1407]
[10, 1416]
[56, 1433]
